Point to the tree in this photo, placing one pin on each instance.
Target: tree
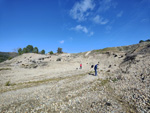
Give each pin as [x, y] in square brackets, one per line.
[43, 51]
[59, 50]
[35, 50]
[25, 50]
[29, 48]
[51, 52]
[141, 41]
[20, 51]
[148, 40]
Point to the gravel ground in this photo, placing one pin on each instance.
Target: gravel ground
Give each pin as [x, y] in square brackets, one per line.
[29, 84]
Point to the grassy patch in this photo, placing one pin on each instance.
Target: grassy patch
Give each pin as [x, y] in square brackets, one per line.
[5, 69]
[114, 79]
[112, 49]
[7, 83]
[103, 82]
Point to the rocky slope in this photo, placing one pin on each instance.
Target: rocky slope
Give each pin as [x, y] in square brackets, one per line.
[54, 83]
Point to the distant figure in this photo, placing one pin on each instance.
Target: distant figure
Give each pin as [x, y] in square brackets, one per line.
[95, 68]
[80, 66]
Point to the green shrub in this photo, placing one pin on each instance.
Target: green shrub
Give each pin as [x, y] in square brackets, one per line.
[114, 79]
[9, 58]
[5, 69]
[7, 83]
[35, 50]
[20, 51]
[59, 50]
[148, 40]
[43, 51]
[29, 48]
[25, 50]
[51, 52]
[141, 41]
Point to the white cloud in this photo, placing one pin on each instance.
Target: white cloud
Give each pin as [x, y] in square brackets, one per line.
[106, 5]
[80, 10]
[100, 20]
[120, 14]
[81, 28]
[62, 41]
[91, 33]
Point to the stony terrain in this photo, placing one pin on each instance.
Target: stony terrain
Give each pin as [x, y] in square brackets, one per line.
[54, 83]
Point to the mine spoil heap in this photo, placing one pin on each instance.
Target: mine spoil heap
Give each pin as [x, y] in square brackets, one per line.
[55, 83]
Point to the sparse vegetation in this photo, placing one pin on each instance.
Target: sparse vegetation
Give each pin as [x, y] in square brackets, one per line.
[114, 79]
[51, 52]
[5, 69]
[141, 41]
[25, 50]
[103, 82]
[112, 89]
[29, 48]
[35, 83]
[9, 58]
[43, 51]
[112, 49]
[7, 83]
[20, 51]
[35, 50]
[148, 40]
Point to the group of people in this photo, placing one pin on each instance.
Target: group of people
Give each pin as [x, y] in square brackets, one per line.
[95, 68]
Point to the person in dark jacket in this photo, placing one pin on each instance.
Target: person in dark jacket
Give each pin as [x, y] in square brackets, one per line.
[95, 68]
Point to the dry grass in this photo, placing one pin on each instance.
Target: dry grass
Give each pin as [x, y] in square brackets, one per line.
[14, 86]
[5, 69]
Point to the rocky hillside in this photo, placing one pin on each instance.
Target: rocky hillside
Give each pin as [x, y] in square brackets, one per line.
[54, 83]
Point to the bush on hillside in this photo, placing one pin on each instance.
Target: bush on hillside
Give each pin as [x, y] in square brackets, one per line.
[20, 51]
[51, 52]
[29, 49]
[10, 58]
[25, 50]
[43, 51]
[148, 40]
[35, 50]
[141, 41]
[59, 50]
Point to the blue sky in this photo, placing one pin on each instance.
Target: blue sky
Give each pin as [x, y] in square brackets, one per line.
[74, 25]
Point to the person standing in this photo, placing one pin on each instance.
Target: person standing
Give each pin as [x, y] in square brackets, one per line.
[80, 66]
[95, 68]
